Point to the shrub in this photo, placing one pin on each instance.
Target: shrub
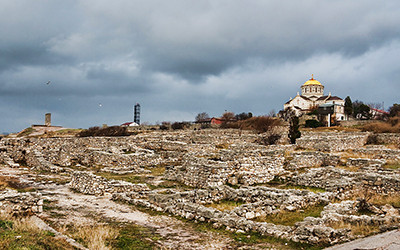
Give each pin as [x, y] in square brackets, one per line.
[164, 127]
[179, 125]
[294, 131]
[270, 140]
[392, 126]
[372, 139]
[234, 125]
[312, 124]
[109, 131]
[394, 121]
[260, 124]
[205, 125]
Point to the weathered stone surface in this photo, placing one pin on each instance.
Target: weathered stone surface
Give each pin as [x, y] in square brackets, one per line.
[379, 152]
[311, 159]
[362, 162]
[340, 180]
[88, 183]
[332, 141]
[18, 204]
[208, 160]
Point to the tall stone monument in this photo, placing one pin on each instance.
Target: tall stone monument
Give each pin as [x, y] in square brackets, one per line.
[47, 120]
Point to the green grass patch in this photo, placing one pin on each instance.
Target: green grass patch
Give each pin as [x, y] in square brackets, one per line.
[133, 178]
[6, 224]
[171, 185]
[23, 237]
[278, 183]
[26, 132]
[290, 218]
[251, 239]
[297, 187]
[135, 237]
[395, 166]
[64, 132]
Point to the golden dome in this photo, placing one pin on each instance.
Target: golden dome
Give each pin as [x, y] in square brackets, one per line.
[312, 81]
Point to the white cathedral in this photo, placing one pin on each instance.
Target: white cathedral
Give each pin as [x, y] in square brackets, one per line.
[312, 97]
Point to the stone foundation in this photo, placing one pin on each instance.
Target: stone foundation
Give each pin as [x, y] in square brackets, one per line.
[21, 204]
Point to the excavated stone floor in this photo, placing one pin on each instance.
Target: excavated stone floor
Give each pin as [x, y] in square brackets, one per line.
[188, 174]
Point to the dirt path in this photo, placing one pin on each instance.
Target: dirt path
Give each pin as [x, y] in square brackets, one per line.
[79, 209]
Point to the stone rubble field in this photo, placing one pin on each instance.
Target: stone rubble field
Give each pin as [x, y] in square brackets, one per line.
[338, 186]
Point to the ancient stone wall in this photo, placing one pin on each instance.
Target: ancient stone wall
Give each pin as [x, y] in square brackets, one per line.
[308, 159]
[379, 152]
[88, 183]
[232, 168]
[340, 180]
[332, 141]
[388, 138]
[17, 203]
[262, 201]
[362, 162]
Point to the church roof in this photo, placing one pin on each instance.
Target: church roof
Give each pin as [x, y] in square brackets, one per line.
[312, 81]
[329, 98]
[302, 96]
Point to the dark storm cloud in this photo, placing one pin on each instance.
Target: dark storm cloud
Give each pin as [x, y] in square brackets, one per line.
[179, 57]
[228, 35]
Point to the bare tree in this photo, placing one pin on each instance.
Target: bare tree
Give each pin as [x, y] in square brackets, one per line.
[271, 113]
[375, 105]
[202, 117]
[228, 116]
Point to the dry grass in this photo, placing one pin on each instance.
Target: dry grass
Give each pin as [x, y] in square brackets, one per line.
[225, 205]
[349, 168]
[26, 224]
[157, 171]
[350, 154]
[392, 126]
[331, 129]
[358, 228]
[22, 233]
[64, 132]
[380, 200]
[13, 183]
[222, 146]
[290, 218]
[96, 237]
[372, 197]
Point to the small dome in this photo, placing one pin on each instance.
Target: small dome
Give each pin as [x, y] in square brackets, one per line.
[312, 81]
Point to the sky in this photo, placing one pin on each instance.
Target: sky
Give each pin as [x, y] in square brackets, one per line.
[178, 58]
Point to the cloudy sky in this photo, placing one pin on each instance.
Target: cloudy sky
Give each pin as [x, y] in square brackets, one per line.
[178, 58]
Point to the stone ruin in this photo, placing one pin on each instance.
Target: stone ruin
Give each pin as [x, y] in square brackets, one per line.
[226, 165]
